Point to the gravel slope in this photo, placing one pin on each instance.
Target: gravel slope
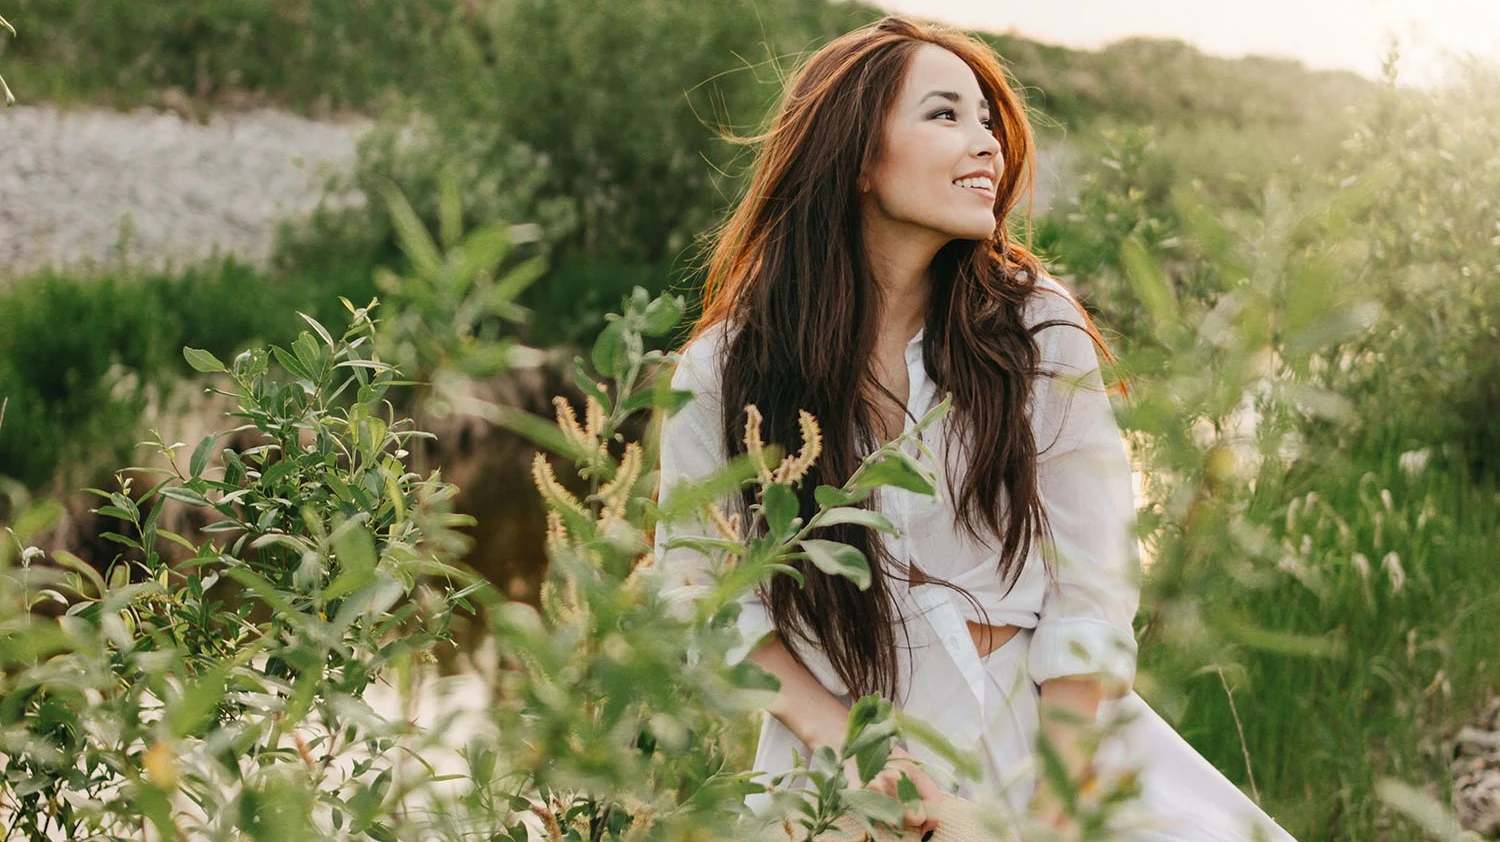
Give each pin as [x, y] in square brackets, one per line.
[95, 187]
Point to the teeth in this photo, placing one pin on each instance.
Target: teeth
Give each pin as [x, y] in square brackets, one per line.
[979, 181]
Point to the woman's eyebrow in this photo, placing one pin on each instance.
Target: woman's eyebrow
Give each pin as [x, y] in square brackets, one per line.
[953, 97]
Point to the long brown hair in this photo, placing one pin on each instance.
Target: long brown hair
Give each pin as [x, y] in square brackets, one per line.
[788, 270]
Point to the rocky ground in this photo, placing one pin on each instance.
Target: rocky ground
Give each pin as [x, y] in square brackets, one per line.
[98, 188]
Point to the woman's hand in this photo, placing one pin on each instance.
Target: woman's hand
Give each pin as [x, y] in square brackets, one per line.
[900, 763]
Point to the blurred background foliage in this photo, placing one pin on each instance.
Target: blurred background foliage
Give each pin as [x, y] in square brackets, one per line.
[1350, 225]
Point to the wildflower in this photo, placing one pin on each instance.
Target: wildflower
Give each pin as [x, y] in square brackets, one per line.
[1361, 565]
[585, 437]
[1391, 564]
[794, 468]
[593, 414]
[557, 533]
[1413, 462]
[552, 491]
[617, 492]
[1385, 499]
[754, 446]
[549, 821]
[729, 527]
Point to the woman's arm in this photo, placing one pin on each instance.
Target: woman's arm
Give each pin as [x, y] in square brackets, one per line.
[803, 705]
[1084, 647]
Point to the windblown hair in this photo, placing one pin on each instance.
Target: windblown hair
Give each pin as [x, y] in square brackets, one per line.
[788, 271]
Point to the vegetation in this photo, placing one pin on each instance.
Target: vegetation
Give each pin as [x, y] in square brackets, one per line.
[1298, 270]
[10, 98]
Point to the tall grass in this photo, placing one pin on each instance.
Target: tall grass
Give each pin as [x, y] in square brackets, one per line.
[1395, 565]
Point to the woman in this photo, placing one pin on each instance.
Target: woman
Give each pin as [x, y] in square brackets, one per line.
[867, 273]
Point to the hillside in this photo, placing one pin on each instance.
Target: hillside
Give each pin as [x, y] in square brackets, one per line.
[317, 57]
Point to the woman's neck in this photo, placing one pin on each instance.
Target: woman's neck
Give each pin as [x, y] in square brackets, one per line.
[900, 261]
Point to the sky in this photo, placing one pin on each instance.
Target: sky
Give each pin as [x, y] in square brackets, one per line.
[1345, 34]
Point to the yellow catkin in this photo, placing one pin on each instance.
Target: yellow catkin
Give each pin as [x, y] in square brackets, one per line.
[557, 533]
[552, 490]
[729, 527]
[549, 821]
[754, 447]
[594, 415]
[567, 421]
[794, 468]
[616, 493]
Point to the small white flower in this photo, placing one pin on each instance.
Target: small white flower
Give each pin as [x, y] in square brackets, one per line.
[1361, 565]
[1413, 462]
[1391, 564]
[1385, 499]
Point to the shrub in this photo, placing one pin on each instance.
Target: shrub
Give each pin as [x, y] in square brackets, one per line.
[81, 360]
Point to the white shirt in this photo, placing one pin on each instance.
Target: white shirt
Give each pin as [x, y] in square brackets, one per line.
[1081, 619]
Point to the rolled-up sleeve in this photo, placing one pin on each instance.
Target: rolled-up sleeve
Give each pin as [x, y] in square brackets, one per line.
[1083, 478]
[690, 451]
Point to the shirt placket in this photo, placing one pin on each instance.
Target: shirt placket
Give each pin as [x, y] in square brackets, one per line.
[938, 605]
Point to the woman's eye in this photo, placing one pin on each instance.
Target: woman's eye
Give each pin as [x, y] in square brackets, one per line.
[946, 111]
[988, 122]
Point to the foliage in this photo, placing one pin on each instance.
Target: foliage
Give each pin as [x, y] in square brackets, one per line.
[1301, 394]
[219, 692]
[328, 54]
[224, 692]
[1430, 255]
[82, 359]
[10, 98]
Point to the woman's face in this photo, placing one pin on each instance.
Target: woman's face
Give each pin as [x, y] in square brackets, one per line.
[940, 163]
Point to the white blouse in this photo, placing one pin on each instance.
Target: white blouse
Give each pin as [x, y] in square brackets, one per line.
[1081, 617]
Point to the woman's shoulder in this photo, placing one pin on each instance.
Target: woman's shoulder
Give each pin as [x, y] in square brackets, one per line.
[698, 362]
[1064, 334]
[1051, 301]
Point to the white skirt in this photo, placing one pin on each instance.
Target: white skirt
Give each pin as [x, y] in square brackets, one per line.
[989, 706]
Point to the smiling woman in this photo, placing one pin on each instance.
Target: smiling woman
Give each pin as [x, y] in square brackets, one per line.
[1001, 612]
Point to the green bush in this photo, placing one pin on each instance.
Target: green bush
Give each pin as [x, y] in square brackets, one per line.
[82, 359]
[335, 54]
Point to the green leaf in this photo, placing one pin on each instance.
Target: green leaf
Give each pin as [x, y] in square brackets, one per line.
[690, 496]
[907, 791]
[876, 805]
[201, 453]
[610, 349]
[416, 242]
[293, 365]
[587, 385]
[863, 517]
[203, 361]
[837, 559]
[830, 497]
[899, 470]
[195, 707]
[354, 549]
[310, 354]
[322, 331]
[781, 508]
[1150, 282]
[662, 315]
[185, 495]
[73, 562]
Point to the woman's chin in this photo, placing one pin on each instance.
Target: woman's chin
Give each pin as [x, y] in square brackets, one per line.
[976, 231]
